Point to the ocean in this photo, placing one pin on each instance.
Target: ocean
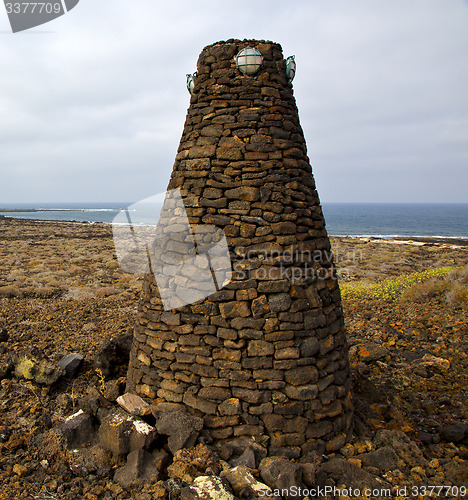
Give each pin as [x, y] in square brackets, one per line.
[445, 220]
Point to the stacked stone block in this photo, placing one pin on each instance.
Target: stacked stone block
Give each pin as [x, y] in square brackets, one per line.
[266, 356]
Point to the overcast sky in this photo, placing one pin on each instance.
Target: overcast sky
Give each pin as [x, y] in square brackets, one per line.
[92, 104]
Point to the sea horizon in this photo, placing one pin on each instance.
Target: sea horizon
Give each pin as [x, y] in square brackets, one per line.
[354, 219]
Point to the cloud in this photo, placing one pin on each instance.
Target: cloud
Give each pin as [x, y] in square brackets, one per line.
[94, 110]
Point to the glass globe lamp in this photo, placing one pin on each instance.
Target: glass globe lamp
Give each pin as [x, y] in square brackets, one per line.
[248, 60]
[290, 68]
[191, 82]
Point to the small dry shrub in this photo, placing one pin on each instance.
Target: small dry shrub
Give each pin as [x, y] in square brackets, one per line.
[126, 279]
[77, 260]
[51, 281]
[107, 292]
[112, 264]
[16, 274]
[81, 293]
[43, 292]
[463, 276]
[34, 263]
[458, 295]
[10, 291]
[424, 291]
[459, 275]
[75, 271]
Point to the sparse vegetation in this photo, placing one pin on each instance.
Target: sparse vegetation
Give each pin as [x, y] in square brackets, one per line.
[392, 289]
[458, 296]
[426, 290]
[9, 291]
[446, 284]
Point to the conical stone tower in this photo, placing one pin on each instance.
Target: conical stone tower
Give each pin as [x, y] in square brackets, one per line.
[265, 356]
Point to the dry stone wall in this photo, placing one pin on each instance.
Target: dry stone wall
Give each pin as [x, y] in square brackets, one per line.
[266, 356]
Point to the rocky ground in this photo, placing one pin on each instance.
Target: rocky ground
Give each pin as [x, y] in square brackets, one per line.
[62, 292]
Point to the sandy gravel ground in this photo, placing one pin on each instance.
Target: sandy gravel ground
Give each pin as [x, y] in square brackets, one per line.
[61, 291]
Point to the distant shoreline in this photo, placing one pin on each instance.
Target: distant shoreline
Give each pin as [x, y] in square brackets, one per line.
[13, 210]
[426, 223]
[39, 210]
[400, 239]
[428, 240]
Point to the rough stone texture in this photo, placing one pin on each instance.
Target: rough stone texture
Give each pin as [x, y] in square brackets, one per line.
[77, 430]
[206, 488]
[122, 433]
[114, 388]
[190, 463]
[310, 468]
[134, 404]
[383, 459]
[244, 484]
[368, 352]
[271, 341]
[281, 474]
[139, 469]
[346, 473]
[6, 366]
[71, 363]
[4, 335]
[235, 448]
[113, 353]
[454, 433]
[404, 447]
[182, 429]
[247, 459]
[457, 473]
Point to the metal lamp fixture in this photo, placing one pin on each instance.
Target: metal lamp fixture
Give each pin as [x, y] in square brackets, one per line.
[290, 68]
[248, 60]
[191, 82]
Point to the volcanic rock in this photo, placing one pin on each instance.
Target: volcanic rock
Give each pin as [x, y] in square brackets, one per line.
[71, 363]
[182, 429]
[244, 483]
[344, 472]
[280, 473]
[114, 353]
[138, 470]
[122, 433]
[206, 488]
